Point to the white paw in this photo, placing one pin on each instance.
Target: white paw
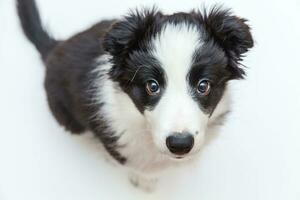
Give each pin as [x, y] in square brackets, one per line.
[146, 184]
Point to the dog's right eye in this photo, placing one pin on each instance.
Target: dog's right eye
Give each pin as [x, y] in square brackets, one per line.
[203, 87]
[152, 87]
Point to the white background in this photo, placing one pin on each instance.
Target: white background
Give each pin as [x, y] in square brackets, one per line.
[255, 157]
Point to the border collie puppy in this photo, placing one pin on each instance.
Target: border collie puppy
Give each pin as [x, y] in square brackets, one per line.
[149, 86]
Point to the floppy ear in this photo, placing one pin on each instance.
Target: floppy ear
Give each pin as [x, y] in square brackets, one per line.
[127, 33]
[231, 33]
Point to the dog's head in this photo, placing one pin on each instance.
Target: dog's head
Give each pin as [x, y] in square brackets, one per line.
[175, 69]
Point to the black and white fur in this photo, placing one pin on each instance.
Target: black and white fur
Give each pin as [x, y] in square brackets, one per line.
[96, 79]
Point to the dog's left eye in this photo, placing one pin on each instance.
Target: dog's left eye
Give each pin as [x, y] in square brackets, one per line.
[152, 87]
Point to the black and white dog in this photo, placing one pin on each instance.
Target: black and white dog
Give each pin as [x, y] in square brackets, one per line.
[150, 86]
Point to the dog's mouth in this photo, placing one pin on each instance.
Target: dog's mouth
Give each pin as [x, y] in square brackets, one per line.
[184, 157]
[180, 158]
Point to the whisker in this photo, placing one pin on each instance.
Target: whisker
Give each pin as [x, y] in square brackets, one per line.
[135, 73]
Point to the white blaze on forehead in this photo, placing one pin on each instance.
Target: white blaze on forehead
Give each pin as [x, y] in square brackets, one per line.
[174, 47]
[176, 111]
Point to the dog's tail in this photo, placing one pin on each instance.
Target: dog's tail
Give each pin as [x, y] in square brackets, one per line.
[33, 28]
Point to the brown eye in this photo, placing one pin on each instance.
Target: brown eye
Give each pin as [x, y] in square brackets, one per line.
[152, 87]
[203, 87]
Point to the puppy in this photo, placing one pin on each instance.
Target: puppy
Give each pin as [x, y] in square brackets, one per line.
[149, 86]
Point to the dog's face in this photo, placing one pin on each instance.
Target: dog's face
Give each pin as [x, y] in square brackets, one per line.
[175, 68]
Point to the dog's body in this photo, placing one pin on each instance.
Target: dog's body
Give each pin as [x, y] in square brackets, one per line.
[149, 86]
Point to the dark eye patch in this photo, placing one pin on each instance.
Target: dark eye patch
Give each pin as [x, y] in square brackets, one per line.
[216, 75]
[139, 68]
[210, 63]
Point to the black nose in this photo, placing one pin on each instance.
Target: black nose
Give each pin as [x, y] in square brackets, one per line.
[180, 143]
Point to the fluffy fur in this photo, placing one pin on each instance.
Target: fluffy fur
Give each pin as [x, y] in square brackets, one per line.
[96, 80]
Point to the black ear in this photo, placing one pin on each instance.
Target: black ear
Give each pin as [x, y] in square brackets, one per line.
[129, 32]
[231, 33]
